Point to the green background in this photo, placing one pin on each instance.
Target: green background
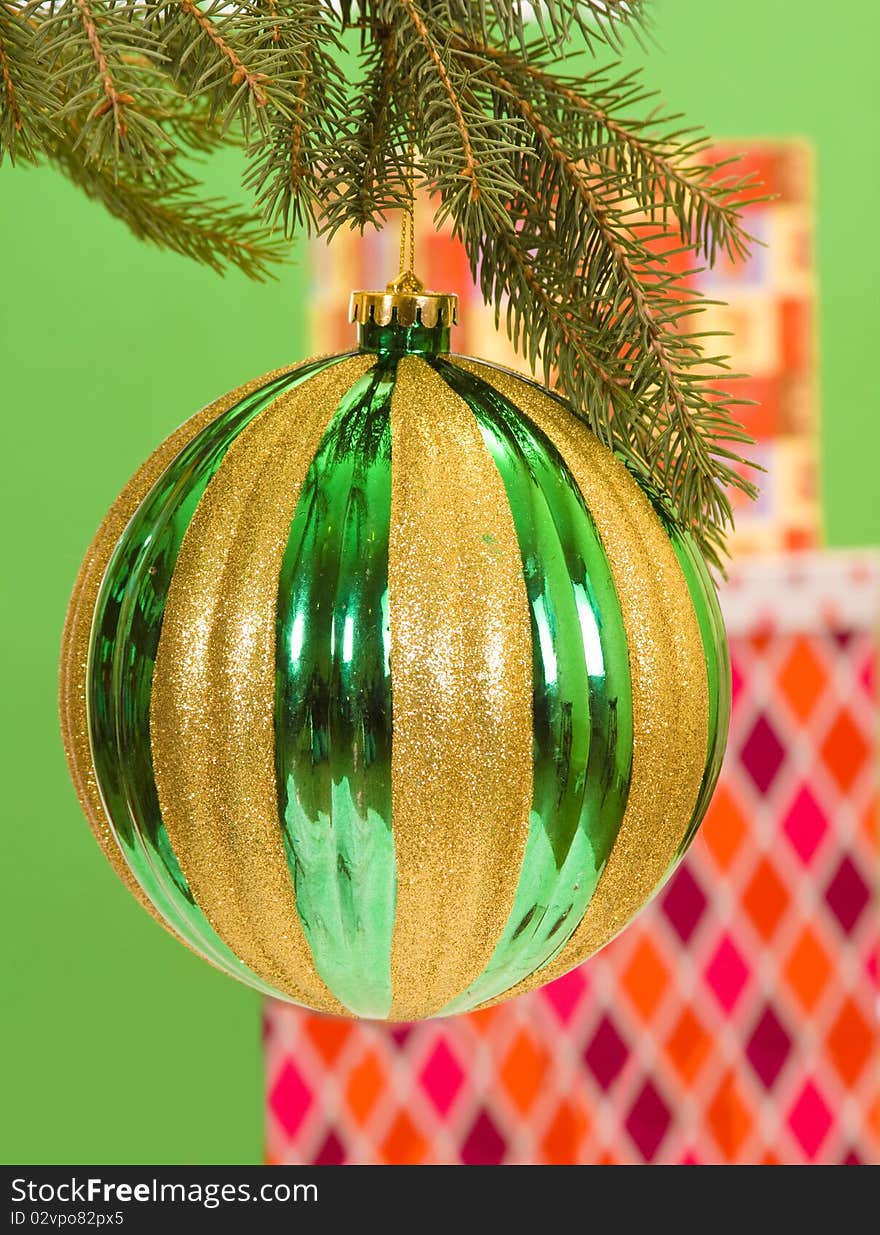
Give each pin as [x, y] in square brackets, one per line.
[118, 1045]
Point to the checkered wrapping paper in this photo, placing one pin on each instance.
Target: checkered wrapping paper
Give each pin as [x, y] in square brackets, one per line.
[735, 1021]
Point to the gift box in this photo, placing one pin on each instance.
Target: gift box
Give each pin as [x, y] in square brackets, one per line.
[735, 1021]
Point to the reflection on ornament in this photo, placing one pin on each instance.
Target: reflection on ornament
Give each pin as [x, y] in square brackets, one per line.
[386, 687]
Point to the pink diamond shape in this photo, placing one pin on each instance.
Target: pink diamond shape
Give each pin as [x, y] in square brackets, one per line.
[648, 1121]
[727, 974]
[847, 894]
[736, 681]
[565, 994]
[805, 825]
[442, 1077]
[868, 675]
[810, 1120]
[290, 1099]
[606, 1054]
[332, 1152]
[484, 1145]
[762, 754]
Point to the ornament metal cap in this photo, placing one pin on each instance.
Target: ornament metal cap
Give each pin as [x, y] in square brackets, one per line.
[408, 300]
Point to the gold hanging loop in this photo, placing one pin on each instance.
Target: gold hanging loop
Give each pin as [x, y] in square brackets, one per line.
[407, 280]
[405, 298]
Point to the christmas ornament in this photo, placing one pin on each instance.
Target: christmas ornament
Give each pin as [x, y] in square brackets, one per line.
[385, 686]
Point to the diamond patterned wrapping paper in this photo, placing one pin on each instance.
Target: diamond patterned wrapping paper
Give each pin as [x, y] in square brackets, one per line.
[736, 1021]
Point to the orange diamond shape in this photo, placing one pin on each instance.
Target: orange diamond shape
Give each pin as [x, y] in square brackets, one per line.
[404, 1145]
[802, 678]
[523, 1070]
[873, 1120]
[807, 969]
[363, 1088]
[844, 750]
[760, 640]
[688, 1046]
[724, 827]
[645, 978]
[563, 1139]
[482, 1021]
[871, 823]
[329, 1035]
[728, 1118]
[850, 1042]
[765, 899]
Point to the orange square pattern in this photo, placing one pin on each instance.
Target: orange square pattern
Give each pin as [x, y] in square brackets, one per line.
[807, 969]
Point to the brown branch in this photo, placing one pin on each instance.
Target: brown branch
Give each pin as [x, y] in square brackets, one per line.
[114, 100]
[469, 171]
[240, 71]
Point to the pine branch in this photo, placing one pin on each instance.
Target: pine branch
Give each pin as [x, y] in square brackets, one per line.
[10, 92]
[286, 167]
[186, 122]
[114, 100]
[469, 165]
[575, 197]
[570, 333]
[597, 22]
[364, 173]
[662, 169]
[28, 98]
[240, 56]
[109, 85]
[238, 71]
[640, 303]
[677, 435]
[466, 154]
[174, 216]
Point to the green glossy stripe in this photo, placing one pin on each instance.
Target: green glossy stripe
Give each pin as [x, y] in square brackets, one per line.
[715, 648]
[582, 705]
[333, 702]
[124, 642]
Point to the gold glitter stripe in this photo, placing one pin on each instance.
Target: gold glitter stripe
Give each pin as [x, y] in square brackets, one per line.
[213, 701]
[461, 664]
[667, 665]
[72, 683]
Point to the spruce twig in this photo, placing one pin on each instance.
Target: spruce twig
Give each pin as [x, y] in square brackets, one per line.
[577, 199]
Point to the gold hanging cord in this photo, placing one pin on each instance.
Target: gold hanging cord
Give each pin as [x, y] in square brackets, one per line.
[405, 297]
[407, 280]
